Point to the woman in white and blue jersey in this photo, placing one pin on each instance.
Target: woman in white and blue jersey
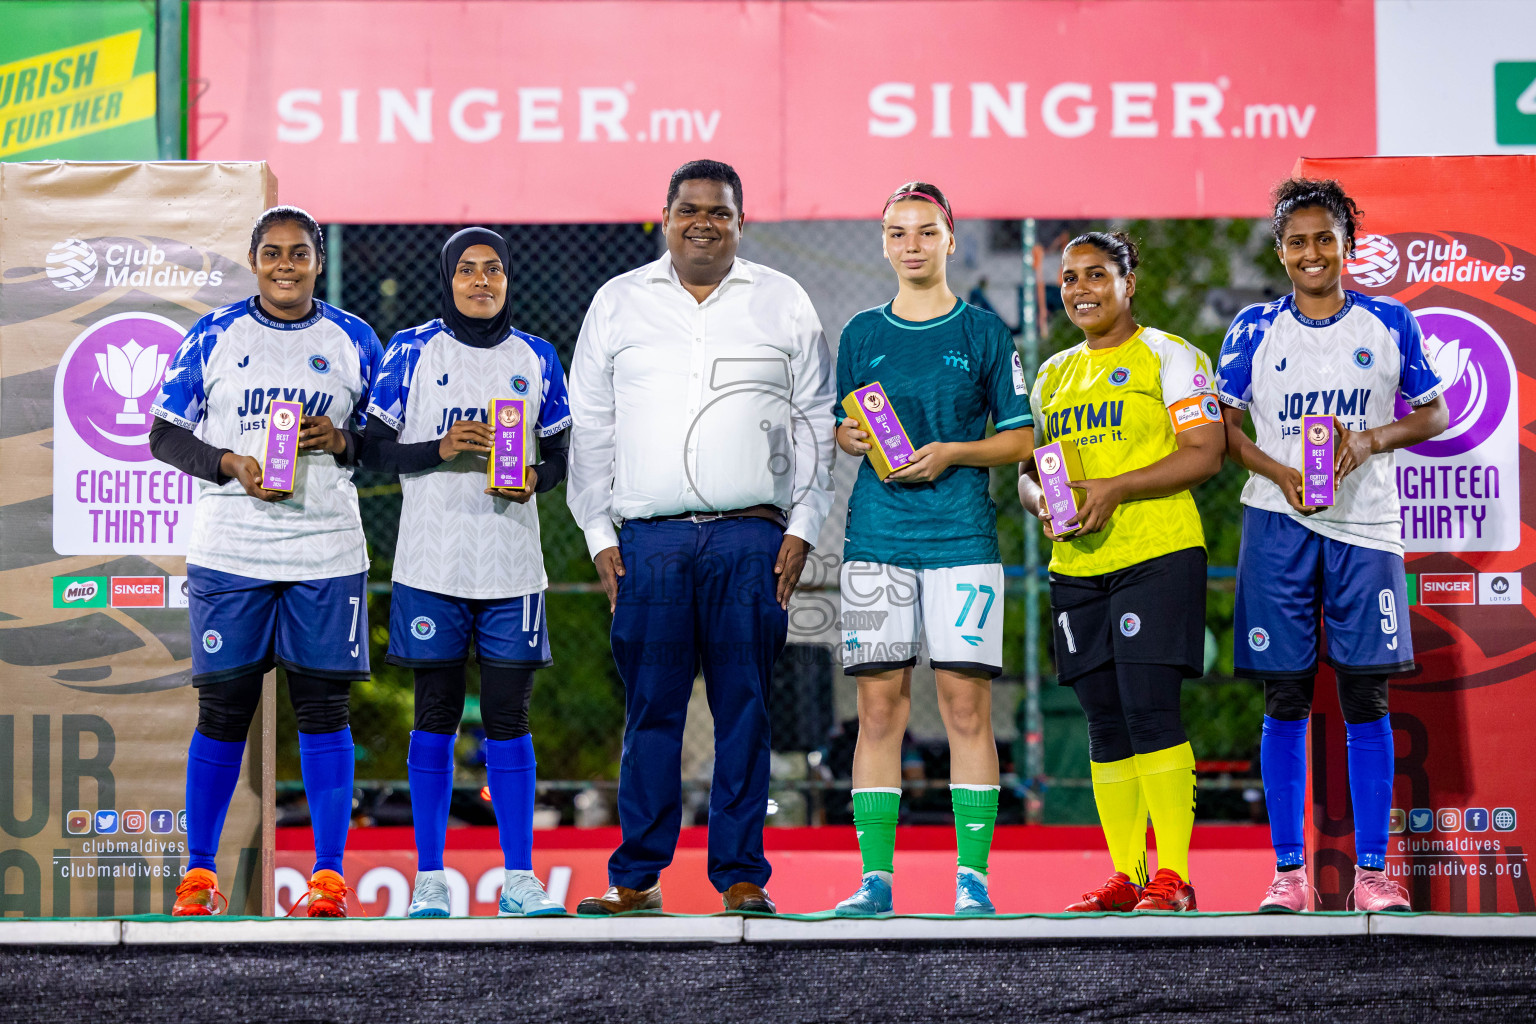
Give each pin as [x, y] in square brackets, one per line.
[468, 565]
[274, 577]
[1324, 351]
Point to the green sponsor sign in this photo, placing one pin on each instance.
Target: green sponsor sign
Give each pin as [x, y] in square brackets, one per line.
[1413, 588]
[82, 592]
[1514, 103]
[77, 80]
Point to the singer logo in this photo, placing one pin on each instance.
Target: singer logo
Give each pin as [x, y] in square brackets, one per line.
[138, 591]
[1447, 588]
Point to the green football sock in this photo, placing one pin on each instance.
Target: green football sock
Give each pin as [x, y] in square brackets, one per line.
[874, 820]
[975, 815]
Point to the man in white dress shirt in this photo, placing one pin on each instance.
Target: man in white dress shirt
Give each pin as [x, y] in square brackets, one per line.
[700, 471]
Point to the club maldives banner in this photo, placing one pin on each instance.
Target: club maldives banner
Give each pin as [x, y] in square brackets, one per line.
[578, 111]
[103, 266]
[77, 80]
[1454, 238]
[1033, 869]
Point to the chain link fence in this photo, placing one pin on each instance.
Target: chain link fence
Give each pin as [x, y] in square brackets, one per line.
[1195, 275]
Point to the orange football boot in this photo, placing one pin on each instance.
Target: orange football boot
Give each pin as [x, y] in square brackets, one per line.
[198, 895]
[327, 896]
[1167, 891]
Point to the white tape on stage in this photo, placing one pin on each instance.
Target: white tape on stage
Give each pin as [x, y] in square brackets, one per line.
[1476, 926]
[453, 929]
[60, 933]
[1053, 928]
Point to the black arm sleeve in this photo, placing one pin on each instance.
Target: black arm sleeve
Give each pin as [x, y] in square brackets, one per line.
[553, 451]
[179, 447]
[382, 451]
[352, 453]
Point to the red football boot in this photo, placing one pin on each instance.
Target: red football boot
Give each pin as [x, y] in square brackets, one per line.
[1167, 891]
[1119, 895]
[198, 895]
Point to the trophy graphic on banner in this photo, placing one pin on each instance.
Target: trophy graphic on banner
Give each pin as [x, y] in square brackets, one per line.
[132, 371]
[282, 446]
[508, 464]
[1317, 461]
[890, 447]
[1060, 467]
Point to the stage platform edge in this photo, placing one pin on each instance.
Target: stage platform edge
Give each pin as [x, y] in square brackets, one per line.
[733, 929]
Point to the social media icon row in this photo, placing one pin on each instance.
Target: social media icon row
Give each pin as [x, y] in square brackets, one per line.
[106, 823]
[1452, 819]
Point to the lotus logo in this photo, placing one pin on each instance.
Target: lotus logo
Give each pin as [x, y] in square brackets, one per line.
[83, 591]
[131, 370]
[71, 265]
[1375, 261]
[1475, 378]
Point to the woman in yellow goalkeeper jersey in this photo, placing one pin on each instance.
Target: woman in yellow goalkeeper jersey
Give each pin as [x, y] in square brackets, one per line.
[1128, 583]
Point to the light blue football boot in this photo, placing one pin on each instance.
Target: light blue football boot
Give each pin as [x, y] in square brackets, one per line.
[872, 900]
[971, 899]
[523, 896]
[430, 898]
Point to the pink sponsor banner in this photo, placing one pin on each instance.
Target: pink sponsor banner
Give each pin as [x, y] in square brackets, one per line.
[1035, 870]
[578, 111]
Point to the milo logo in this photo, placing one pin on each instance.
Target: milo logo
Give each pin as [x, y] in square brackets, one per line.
[81, 591]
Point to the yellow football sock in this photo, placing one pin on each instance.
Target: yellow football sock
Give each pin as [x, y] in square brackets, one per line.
[1168, 781]
[1123, 815]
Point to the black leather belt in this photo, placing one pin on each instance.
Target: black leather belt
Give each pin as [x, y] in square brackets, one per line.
[772, 513]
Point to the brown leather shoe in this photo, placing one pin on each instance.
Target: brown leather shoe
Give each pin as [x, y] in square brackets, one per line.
[619, 900]
[749, 898]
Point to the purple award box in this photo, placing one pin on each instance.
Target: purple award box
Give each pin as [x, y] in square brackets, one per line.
[1059, 467]
[281, 450]
[890, 447]
[1317, 461]
[508, 464]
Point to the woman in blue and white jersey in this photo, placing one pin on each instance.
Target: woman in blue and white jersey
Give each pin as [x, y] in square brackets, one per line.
[1324, 351]
[274, 577]
[468, 564]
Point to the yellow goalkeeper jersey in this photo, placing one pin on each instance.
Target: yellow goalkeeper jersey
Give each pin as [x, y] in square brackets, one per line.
[1123, 408]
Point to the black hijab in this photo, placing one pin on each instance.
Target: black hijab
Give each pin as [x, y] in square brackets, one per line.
[472, 330]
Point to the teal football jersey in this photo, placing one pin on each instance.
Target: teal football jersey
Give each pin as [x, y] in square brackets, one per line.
[945, 377]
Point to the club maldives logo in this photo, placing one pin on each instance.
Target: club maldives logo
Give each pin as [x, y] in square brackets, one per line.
[1475, 378]
[71, 265]
[1375, 262]
[109, 378]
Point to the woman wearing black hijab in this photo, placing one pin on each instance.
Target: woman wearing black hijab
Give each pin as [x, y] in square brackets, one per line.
[468, 565]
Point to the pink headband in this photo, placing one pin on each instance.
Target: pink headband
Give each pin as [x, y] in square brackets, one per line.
[898, 197]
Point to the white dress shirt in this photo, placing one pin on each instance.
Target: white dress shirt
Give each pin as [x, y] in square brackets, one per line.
[688, 406]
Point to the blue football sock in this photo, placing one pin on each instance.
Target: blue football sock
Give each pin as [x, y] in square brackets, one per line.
[1370, 788]
[1283, 763]
[213, 769]
[430, 768]
[510, 772]
[326, 762]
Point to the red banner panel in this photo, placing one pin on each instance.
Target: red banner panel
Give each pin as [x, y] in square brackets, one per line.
[1455, 239]
[578, 111]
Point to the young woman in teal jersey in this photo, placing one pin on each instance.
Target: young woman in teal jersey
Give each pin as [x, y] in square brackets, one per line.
[921, 557]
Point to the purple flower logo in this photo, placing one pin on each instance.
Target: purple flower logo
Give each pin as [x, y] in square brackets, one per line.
[109, 378]
[1475, 378]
